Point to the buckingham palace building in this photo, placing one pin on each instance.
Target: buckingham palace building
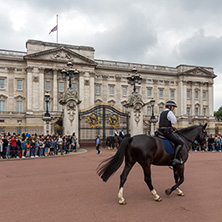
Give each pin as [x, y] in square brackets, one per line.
[25, 77]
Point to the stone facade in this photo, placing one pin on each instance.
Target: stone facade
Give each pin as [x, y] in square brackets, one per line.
[25, 76]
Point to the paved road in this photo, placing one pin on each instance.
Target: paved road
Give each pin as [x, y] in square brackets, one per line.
[68, 189]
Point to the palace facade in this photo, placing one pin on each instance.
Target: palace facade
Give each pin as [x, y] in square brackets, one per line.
[26, 76]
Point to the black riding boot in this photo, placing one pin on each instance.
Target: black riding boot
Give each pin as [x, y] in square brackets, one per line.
[175, 158]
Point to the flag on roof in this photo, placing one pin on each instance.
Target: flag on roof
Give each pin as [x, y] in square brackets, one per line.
[54, 29]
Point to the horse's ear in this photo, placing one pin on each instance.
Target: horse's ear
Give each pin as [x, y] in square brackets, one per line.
[205, 125]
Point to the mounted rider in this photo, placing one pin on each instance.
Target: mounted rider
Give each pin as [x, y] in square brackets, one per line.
[166, 120]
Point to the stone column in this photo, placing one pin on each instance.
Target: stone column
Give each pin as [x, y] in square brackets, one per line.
[184, 98]
[135, 106]
[210, 100]
[41, 90]
[55, 91]
[201, 99]
[29, 89]
[70, 103]
[81, 87]
[92, 89]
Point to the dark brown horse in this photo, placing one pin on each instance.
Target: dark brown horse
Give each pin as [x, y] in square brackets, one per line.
[147, 150]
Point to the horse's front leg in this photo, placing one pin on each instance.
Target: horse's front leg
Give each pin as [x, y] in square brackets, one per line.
[179, 179]
[147, 178]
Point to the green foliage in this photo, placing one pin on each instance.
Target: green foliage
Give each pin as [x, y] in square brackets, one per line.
[218, 114]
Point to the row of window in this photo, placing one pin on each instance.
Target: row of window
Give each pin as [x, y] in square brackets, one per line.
[149, 92]
[18, 85]
[61, 87]
[19, 106]
[196, 111]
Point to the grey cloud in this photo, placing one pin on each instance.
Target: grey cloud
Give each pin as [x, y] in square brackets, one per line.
[201, 50]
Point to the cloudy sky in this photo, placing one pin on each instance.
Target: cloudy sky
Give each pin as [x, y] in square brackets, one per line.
[154, 32]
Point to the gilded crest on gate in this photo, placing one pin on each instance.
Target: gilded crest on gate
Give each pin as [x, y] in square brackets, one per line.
[93, 120]
[114, 121]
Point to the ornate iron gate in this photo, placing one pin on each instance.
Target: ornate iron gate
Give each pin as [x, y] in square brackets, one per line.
[101, 120]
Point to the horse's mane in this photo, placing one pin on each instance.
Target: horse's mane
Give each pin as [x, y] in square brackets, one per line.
[188, 129]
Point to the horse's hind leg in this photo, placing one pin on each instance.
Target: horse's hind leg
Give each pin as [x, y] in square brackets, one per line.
[123, 177]
[148, 180]
[176, 177]
[179, 178]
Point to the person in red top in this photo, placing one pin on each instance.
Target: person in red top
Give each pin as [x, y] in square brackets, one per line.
[13, 146]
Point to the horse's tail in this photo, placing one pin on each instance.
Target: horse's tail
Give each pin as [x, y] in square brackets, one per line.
[109, 166]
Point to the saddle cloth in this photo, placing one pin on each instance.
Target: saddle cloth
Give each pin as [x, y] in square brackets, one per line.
[167, 144]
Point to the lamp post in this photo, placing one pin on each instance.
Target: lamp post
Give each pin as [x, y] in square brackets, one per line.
[153, 119]
[47, 97]
[134, 78]
[70, 73]
[152, 102]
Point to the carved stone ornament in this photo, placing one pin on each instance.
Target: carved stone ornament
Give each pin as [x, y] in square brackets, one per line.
[61, 55]
[135, 101]
[69, 94]
[35, 79]
[71, 110]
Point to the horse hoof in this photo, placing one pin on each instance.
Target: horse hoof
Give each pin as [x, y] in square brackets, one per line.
[159, 199]
[180, 194]
[168, 192]
[122, 203]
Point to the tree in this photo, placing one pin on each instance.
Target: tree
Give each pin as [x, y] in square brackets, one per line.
[218, 114]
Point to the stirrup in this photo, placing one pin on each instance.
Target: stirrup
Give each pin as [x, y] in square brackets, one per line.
[176, 161]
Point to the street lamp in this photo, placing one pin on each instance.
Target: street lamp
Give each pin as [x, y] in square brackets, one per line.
[135, 78]
[70, 73]
[152, 118]
[47, 97]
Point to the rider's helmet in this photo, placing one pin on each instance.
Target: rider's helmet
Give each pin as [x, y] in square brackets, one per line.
[170, 103]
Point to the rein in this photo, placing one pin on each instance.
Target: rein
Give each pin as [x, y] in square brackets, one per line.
[185, 137]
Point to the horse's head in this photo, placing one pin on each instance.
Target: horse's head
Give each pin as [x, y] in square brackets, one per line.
[202, 136]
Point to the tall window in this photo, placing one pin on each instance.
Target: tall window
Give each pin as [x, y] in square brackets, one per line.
[74, 86]
[204, 111]
[2, 83]
[188, 111]
[124, 91]
[188, 94]
[196, 94]
[161, 93]
[60, 108]
[19, 84]
[149, 92]
[111, 90]
[196, 111]
[2, 105]
[97, 89]
[204, 94]
[19, 106]
[149, 111]
[61, 86]
[47, 85]
[172, 94]
[161, 109]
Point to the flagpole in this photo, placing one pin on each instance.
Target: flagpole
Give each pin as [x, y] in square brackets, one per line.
[57, 28]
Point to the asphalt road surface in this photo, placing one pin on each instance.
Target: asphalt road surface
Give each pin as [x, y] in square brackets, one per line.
[68, 189]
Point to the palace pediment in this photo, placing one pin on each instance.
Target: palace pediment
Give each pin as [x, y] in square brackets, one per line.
[60, 54]
[198, 71]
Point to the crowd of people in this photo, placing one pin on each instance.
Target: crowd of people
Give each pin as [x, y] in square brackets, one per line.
[214, 144]
[26, 145]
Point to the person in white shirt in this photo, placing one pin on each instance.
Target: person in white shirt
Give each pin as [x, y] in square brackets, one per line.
[166, 120]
